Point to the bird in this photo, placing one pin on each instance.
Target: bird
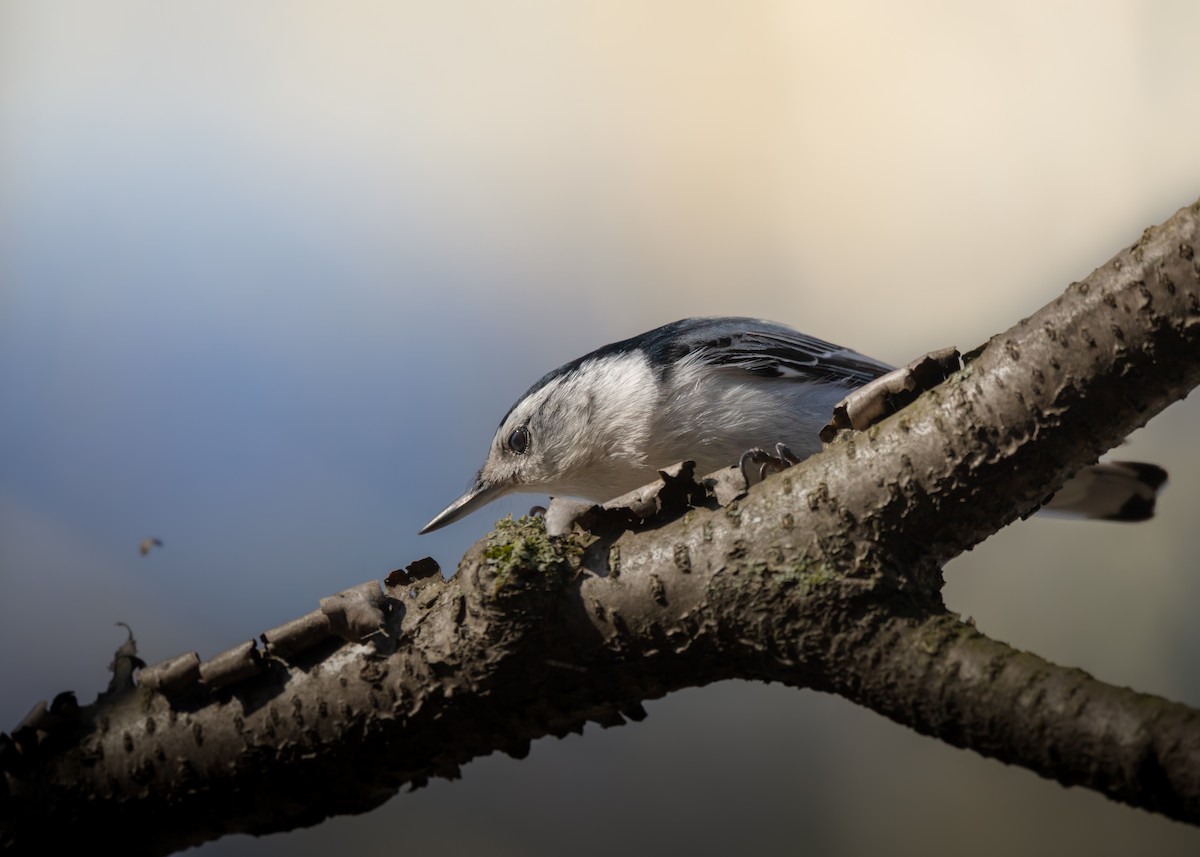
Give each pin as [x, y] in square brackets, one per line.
[709, 389]
[147, 544]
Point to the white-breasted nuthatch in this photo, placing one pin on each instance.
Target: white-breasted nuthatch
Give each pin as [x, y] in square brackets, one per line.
[709, 390]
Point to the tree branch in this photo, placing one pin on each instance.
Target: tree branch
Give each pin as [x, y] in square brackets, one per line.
[825, 576]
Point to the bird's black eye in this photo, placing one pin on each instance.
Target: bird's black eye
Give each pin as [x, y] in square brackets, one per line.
[518, 441]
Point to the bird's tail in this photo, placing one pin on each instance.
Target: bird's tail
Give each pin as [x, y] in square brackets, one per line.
[1110, 491]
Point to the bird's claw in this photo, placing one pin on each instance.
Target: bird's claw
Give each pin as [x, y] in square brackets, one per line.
[781, 460]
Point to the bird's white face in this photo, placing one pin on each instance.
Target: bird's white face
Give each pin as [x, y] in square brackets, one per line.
[583, 435]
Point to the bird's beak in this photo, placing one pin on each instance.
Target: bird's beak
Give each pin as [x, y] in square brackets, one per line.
[480, 494]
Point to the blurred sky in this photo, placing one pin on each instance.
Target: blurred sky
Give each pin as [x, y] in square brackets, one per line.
[271, 272]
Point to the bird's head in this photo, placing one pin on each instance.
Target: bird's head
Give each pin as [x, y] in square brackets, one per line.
[580, 431]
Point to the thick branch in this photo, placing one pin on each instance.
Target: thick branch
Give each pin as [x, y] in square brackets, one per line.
[826, 576]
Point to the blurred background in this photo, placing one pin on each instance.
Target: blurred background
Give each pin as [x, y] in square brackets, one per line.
[270, 274]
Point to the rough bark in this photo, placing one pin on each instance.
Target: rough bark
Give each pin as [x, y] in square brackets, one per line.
[825, 576]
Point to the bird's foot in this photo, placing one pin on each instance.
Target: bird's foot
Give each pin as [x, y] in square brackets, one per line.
[781, 460]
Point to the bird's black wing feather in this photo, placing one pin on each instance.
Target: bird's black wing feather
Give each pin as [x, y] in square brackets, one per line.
[762, 348]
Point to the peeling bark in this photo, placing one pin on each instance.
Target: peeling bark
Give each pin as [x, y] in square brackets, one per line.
[825, 576]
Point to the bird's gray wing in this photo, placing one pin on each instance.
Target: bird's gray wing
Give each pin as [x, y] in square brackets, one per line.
[772, 350]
